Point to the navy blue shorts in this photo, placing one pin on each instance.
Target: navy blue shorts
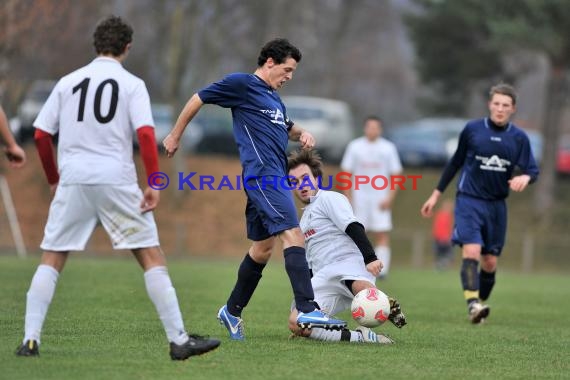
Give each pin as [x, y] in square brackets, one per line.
[479, 221]
[270, 209]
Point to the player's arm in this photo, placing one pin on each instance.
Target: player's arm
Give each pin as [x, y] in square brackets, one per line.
[172, 141]
[306, 139]
[452, 167]
[357, 233]
[149, 155]
[44, 145]
[528, 165]
[13, 151]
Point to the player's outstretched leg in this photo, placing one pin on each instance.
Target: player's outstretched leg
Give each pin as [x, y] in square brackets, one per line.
[369, 336]
[28, 348]
[233, 324]
[196, 345]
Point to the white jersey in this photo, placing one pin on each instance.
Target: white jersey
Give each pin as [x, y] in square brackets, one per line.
[324, 223]
[372, 158]
[96, 110]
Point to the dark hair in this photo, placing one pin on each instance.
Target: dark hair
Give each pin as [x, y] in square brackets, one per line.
[373, 118]
[111, 36]
[279, 49]
[504, 89]
[308, 157]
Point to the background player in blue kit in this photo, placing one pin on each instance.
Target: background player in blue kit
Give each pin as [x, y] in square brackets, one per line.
[262, 130]
[489, 149]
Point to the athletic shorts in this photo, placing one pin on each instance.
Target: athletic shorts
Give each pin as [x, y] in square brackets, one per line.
[270, 209]
[367, 211]
[331, 293]
[479, 221]
[76, 209]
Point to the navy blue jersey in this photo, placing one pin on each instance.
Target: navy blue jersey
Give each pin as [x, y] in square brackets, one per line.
[489, 155]
[260, 124]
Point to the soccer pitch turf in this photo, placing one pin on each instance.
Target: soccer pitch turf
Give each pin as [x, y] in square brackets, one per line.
[101, 325]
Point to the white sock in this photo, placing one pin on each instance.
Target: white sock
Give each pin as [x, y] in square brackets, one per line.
[334, 336]
[383, 253]
[38, 299]
[163, 295]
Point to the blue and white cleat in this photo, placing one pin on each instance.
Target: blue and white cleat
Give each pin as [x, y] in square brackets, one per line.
[319, 319]
[233, 324]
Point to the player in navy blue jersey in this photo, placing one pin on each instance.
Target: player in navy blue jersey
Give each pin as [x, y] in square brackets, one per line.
[262, 130]
[489, 149]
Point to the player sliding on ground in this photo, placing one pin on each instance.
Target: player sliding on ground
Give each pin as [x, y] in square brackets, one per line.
[341, 257]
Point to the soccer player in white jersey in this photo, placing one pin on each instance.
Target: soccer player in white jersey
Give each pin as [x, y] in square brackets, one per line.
[97, 110]
[372, 155]
[340, 256]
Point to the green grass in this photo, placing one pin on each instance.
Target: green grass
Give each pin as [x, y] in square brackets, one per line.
[101, 325]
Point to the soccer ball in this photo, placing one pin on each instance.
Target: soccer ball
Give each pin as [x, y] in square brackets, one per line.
[370, 307]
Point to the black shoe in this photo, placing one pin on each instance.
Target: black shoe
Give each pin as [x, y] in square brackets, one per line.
[478, 312]
[29, 348]
[196, 345]
[396, 316]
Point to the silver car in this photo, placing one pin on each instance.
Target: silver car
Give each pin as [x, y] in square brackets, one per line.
[328, 120]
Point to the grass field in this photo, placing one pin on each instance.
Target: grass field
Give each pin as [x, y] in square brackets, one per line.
[101, 325]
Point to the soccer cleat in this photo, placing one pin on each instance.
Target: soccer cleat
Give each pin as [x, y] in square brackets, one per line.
[478, 312]
[396, 316]
[369, 336]
[318, 319]
[196, 345]
[233, 324]
[28, 348]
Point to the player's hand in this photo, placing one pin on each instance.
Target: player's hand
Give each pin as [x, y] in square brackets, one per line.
[170, 144]
[519, 183]
[375, 267]
[150, 200]
[386, 204]
[53, 188]
[307, 140]
[15, 155]
[427, 208]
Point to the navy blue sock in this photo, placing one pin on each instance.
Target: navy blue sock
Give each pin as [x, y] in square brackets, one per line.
[300, 277]
[470, 280]
[249, 274]
[487, 281]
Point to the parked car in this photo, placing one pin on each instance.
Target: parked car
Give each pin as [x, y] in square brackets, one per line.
[212, 131]
[30, 107]
[426, 142]
[328, 120]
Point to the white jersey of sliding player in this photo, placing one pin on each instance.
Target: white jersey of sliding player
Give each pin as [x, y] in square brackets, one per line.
[324, 223]
[96, 110]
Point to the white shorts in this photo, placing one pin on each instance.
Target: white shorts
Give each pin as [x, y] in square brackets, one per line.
[332, 295]
[367, 211]
[76, 209]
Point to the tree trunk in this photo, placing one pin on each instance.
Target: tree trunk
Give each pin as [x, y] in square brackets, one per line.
[557, 93]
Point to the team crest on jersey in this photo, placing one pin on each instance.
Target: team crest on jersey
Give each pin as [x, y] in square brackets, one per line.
[276, 116]
[493, 163]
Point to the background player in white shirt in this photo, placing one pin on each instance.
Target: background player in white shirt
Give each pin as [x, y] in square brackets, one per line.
[372, 155]
[339, 254]
[97, 110]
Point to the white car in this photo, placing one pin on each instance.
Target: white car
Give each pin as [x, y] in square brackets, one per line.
[330, 121]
